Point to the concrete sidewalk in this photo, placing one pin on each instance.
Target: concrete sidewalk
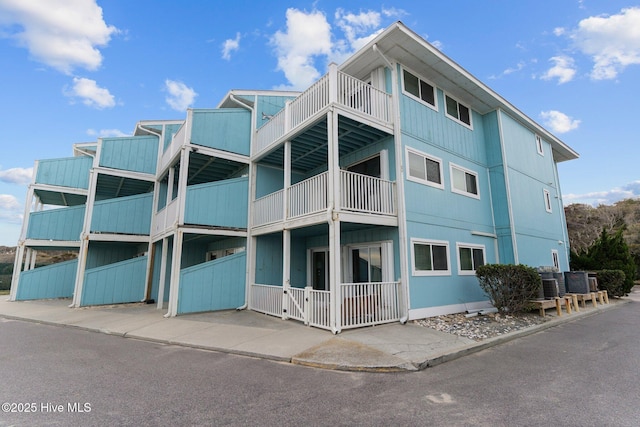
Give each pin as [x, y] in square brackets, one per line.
[391, 347]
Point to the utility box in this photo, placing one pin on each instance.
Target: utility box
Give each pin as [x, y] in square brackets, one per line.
[577, 282]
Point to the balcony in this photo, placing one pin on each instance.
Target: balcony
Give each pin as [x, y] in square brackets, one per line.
[358, 194]
[335, 88]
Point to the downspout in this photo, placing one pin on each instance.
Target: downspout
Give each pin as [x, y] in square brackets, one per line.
[248, 238]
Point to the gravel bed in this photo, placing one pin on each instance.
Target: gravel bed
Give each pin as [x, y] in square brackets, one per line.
[481, 327]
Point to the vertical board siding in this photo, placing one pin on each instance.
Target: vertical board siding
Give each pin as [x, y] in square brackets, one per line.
[220, 203]
[52, 281]
[224, 129]
[134, 153]
[70, 172]
[269, 106]
[214, 285]
[169, 131]
[125, 215]
[56, 224]
[116, 283]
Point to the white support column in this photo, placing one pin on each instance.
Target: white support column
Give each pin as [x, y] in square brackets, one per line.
[82, 263]
[174, 285]
[287, 179]
[333, 83]
[34, 255]
[286, 271]
[335, 260]
[163, 272]
[182, 183]
[27, 261]
[17, 269]
[84, 236]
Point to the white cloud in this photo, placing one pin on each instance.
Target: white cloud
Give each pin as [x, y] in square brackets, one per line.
[10, 209]
[180, 95]
[20, 176]
[559, 122]
[613, 42]
[105, 133]
[608, 197]
[307, 35]
[91, 94]
[63, 34]
[558, 31]
[563, 69]
[230, 45]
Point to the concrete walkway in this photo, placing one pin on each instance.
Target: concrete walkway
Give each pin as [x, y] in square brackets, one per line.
[391, 347]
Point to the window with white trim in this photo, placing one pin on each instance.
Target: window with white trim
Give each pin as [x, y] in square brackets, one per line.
[418, 88]
[555, 258]
[457, 111]
[430, 257]
[470, 257]
[539, 146]
[464, 181]
[424, 169]
[547, 200]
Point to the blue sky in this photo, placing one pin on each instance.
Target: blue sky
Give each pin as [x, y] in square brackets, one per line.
[75, 70]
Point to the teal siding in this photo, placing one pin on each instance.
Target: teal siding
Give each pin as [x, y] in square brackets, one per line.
[169, 131]
[224, 129]
[220, 203]
[268, 180]
[269, 106]
[56, 224]
[537, 231]
[134, 153]
[68, 172]
[434, 291]
[269, 260]
[214, 285]
[116, 283]
[125, 215]
[106, 253]
[52, 281]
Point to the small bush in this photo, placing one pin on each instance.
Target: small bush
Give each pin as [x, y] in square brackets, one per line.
[509, 287]
[612, 281]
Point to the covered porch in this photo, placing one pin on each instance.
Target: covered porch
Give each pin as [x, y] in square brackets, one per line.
[334, 283]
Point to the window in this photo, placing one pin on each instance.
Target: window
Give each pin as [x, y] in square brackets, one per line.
[457, 111]
[470, 257]
[464, 181]
[555, 258]
[547, 200]
[424, 169]
[539, 145]
[213, 255]
[430, 257]
[419, 88]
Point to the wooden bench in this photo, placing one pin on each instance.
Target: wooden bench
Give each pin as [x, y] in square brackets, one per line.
[543, 304]
[591, 296]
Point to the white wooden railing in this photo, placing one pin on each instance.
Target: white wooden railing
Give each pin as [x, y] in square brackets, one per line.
[362, 193]
[350, 93]
[166, 217]
[361, 304]
[266, 299]
[364, 304]
[308, 196]
[178, 140]
[268, 209]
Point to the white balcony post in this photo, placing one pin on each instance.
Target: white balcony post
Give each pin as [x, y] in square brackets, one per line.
[163, 273]
[333, 83]
[174, 284]
[17, 269]
[333, 188]
[286, 272]
[287, 180]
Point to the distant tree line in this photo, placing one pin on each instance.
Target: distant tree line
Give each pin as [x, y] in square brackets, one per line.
[607, 234]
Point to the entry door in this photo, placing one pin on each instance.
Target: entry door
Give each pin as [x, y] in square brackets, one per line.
[320, 270]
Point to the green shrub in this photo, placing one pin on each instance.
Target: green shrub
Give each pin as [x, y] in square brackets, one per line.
[509, 287]
[612, 281]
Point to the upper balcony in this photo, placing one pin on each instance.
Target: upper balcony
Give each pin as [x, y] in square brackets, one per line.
[354, 96]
